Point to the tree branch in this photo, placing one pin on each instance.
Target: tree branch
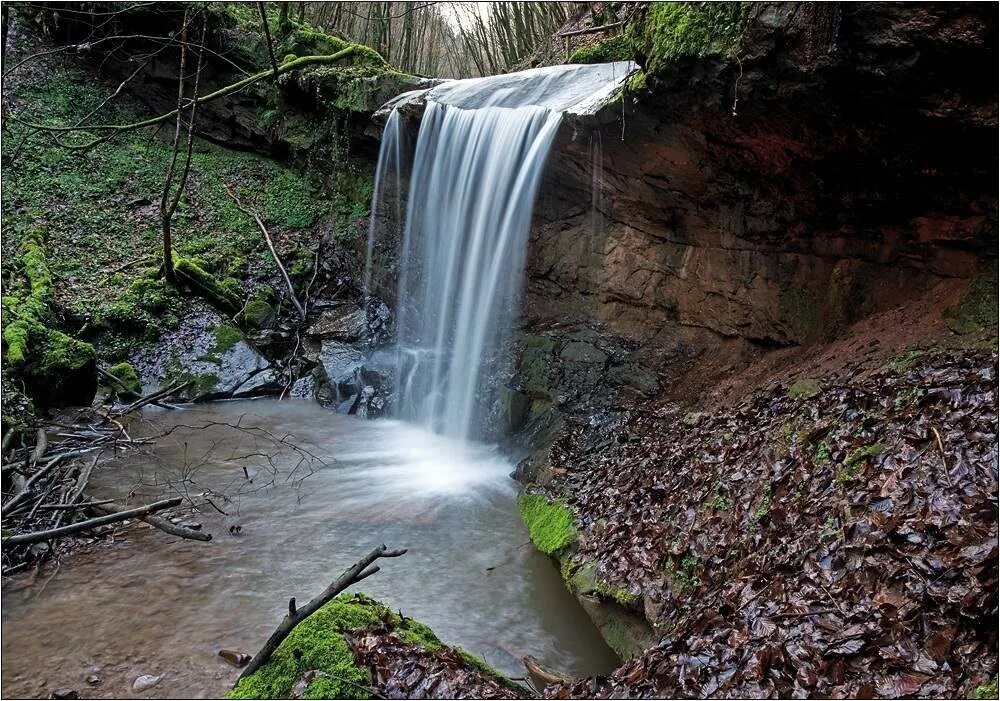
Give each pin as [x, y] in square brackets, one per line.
[270, 244]
[355, 573]
[39, 536]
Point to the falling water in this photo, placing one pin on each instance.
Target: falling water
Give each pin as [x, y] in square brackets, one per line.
[480, 153]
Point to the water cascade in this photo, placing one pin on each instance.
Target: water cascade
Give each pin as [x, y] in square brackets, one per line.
[480, 153]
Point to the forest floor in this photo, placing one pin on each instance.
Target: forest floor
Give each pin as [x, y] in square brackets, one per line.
[824, 524]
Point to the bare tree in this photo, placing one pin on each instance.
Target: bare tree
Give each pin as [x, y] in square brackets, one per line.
[171, 195]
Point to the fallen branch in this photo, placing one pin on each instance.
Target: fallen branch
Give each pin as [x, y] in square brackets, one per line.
[40, 536]
[270, 244]
[41, 445]
[155, 521]
[544, 674]
[354, 574]
[154, 397]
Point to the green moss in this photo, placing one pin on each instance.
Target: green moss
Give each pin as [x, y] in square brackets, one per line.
[206, 286]
[549, 524]
[318, 643]
[804, 389]
[856, 461]
[675, 31]
[57, 369]
[617, 48]
[764, 509]
[721, 503]
[226, 336]
[129, 384]
[987, 691]
[978, 308]
[535, 375]
[636, 83]
[259, 314]
[619, 594]
[822, 453]
[903, 361]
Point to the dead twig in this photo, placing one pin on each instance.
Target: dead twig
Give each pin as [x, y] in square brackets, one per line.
[270, 244]
[354, 574]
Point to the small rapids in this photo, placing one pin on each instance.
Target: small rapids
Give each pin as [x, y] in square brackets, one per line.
[151, 604]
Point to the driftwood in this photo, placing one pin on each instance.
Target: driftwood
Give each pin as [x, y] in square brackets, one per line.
[41, 536]
[354, 574]
[155, 521]
[154, 397]
[41, 445]
[543, 674]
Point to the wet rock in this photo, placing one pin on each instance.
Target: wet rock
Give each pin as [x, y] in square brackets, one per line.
[581, 352]
[339, 359]
[236, 658]
[213, 355]
[65, 693]
[94, 679]
[144, 682]
[349, 327]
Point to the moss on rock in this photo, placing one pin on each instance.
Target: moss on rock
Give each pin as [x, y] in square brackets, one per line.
[617, 48]
[550, 525]
[674, 31]
[320, 643]
[978, 308]
[57, 369]
[207, 286]
[128, 384]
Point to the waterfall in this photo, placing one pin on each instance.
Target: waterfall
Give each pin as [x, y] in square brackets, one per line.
[480, 153]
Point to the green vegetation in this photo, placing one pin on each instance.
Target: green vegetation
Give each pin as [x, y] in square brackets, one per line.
[675, 31]
[318, 643]
[903, 361]
[765, 506]
[617, 48]
[856, 461]
[721, 503]
[978, 308]
[549, 524]
[536, 377]
[619, 594]
[987, 691]
[804, 389]
[684, 573]
[822, 452]
[128, 384]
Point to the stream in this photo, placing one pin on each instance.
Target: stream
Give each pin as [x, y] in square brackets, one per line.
[320, 490]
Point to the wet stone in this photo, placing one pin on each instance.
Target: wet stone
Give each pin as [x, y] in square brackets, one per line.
[65, 693]
[145, 682]
[236, 658]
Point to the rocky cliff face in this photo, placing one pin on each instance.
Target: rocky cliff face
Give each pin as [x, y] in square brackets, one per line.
[841, 160]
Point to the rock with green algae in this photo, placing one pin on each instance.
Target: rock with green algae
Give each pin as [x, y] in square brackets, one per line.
[669, 32]
[550, 524]
[329, 655]
[57, 370]
[125, 383]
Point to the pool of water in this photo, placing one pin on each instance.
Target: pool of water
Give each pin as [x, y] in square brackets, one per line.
[319, 491]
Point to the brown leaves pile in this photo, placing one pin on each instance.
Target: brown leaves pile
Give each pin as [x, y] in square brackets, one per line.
[405, 670]
[841, 545]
